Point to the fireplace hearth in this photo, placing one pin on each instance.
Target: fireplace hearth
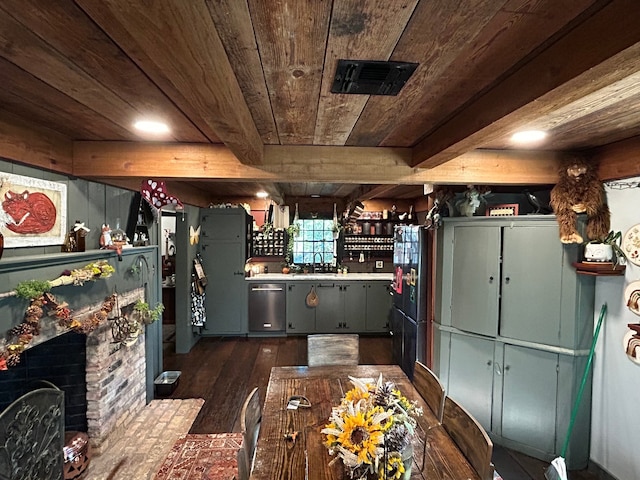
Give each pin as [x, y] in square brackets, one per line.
[104, 383]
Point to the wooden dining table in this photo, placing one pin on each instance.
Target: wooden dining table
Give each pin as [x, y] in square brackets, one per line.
[290, 445]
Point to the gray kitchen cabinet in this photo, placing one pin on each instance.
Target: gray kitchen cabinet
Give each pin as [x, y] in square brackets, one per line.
[301, 319]
[343, 307]
[378, 310]
[330, 309]
[355, 306]
[513, 326]
[223, 247]
[521, 396]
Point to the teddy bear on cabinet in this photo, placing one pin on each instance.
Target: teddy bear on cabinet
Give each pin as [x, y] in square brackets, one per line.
[580, 191]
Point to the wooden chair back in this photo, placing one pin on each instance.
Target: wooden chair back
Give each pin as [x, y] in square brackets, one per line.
[243, 470]
[430, 389]
[470, 437]
[333, 349]
[250, 417]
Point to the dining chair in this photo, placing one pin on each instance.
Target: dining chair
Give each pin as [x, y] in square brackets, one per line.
[333, 349]
[469, 436]
[430, 389]
[243, 470]
[250, 418]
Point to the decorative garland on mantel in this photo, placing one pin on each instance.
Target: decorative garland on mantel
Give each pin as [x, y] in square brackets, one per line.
[19, 337]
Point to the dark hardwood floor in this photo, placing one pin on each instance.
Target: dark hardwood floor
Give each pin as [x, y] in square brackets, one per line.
[223, 371]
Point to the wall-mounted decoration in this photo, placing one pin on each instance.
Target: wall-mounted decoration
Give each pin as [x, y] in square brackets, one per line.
[33, 212]
[631, 343]
[631, 244]
[632, 296]
[155, 192]
[502, 210]
[194, 235]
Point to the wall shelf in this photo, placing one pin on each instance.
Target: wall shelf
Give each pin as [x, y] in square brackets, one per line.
[599, 268]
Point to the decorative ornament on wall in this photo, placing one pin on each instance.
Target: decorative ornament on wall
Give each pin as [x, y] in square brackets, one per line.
[194, 235]
[632, 297]
[33, 212]
[155, 193]
[631, 244]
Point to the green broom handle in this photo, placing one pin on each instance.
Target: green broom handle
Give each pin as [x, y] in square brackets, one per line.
[585, 375]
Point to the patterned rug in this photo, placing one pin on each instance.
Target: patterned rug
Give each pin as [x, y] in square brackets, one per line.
[209, 456]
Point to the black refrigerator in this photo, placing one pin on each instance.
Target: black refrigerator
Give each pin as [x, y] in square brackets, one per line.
[409, 311]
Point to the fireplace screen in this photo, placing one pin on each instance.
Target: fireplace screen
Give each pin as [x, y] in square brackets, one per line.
[32, 436]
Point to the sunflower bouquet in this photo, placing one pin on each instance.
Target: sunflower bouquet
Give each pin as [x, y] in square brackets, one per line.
[371, 431]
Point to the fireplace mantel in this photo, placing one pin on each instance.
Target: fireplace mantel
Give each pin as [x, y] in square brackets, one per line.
[138, 269]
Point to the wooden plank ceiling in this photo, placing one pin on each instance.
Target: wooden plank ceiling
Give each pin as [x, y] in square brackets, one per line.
[245, 86]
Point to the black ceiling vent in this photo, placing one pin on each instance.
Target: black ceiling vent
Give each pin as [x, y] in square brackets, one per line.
[368, 77]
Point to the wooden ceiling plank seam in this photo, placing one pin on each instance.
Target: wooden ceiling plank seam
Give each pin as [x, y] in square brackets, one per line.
[43, 61]
[442, 30]
[290, 36]
[511, 35]
[54, 109]
[235, 27]
[188, 46]
[570, 58]
[362, 31]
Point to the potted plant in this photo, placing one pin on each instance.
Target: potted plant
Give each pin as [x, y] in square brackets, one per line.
[147, 314]
[605, 250]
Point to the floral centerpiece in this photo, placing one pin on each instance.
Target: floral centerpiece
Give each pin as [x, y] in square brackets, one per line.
[371, 431]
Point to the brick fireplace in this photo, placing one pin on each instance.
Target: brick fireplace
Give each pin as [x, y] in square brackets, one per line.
[112, 374]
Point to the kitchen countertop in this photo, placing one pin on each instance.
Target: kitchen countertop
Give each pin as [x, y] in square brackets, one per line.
[261, 277]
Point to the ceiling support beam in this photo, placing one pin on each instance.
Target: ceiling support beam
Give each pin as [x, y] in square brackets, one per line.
[618, 160]
[361, 165]
[538, 86]
[189, 43]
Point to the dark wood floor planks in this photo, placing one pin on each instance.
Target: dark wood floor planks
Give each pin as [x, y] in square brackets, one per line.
[223, 371]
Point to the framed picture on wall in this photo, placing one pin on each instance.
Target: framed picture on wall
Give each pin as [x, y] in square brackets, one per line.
[33, 212]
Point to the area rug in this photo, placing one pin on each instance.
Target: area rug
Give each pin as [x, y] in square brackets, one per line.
[210, 456]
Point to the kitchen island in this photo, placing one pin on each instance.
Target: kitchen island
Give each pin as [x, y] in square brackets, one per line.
[346, 303]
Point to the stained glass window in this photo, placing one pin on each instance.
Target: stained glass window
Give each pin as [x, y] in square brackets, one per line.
[315, 239]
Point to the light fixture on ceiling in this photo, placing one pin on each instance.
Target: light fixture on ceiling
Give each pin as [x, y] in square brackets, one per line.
[314, 195]
[152, 127]
[528, 136]
[262, 194]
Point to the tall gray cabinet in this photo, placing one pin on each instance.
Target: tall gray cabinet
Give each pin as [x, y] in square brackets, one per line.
[223, 246]
[514, 323]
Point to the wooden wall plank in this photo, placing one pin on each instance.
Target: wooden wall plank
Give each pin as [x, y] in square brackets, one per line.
[291, 36]
[619, 160]
[173, 42]
[359, 30]
[36, 146]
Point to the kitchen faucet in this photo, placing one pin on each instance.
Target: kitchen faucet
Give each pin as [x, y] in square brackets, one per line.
[314, 261]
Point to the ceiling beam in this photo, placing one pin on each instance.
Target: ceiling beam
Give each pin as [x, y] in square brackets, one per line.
[24, 142]
[295, 164]
[618, 160]
[537, 87]
[173, 41]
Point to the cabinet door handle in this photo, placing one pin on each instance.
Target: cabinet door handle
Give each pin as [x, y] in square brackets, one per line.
[507, 279]
[489, 362]
[506, 368]
[498, 369]
[491, 279]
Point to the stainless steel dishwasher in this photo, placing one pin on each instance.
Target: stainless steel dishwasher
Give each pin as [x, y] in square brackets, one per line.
[267, 307]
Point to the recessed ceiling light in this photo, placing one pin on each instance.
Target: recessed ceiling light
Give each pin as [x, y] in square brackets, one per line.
[150, 126]
[315, 195]
[528, 136]
[262, 194]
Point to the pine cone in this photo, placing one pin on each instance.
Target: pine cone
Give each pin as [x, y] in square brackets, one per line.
[20, 329]
[25, 338]
[13, 359]
[34, 311]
